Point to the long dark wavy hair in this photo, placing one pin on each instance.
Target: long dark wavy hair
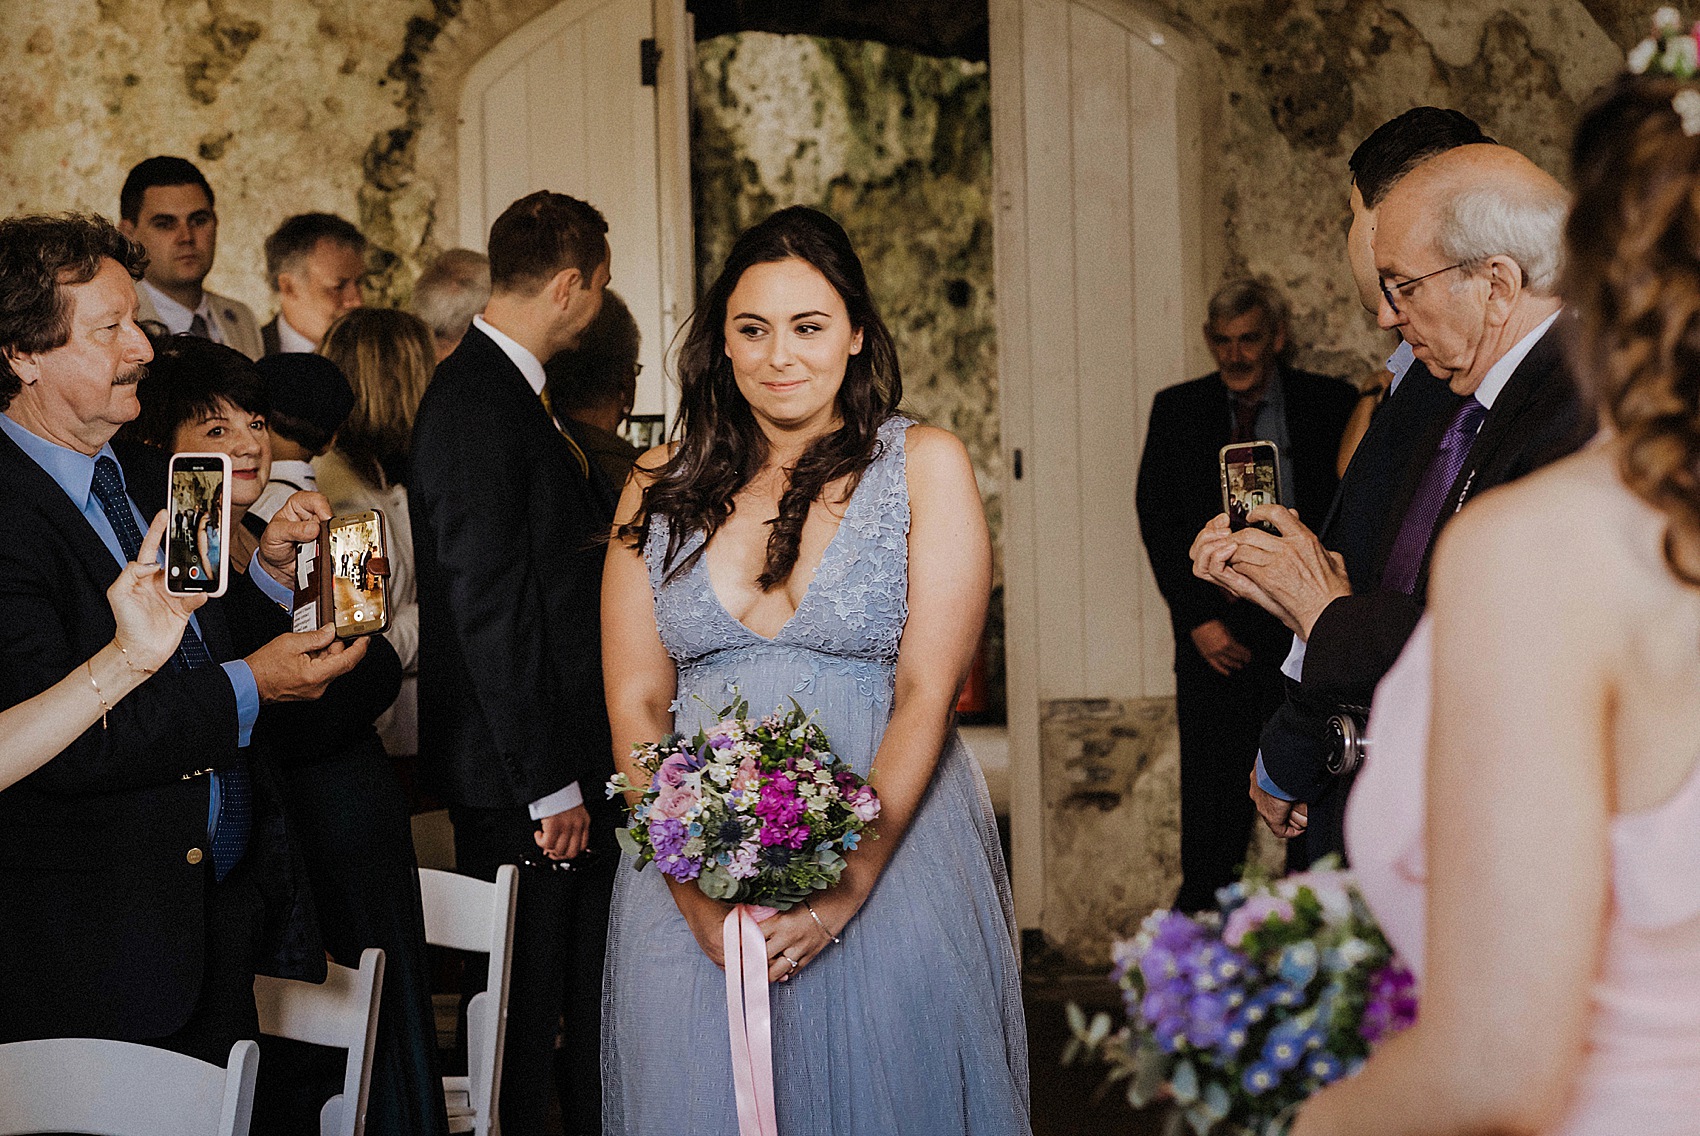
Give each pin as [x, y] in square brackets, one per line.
[721, 446]
[1633, 274]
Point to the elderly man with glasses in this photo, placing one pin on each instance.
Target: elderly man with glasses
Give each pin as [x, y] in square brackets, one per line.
[1467, 251]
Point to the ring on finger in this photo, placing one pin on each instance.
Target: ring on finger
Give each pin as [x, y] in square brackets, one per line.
[790, 960]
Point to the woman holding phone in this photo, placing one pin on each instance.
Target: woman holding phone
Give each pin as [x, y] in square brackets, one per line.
[346, 809]
[150, 626]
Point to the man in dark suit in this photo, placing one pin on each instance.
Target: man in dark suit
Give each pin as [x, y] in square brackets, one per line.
[1228, 653]
[315, 262]
[513, 728]
[1466, 248]
[146, 870]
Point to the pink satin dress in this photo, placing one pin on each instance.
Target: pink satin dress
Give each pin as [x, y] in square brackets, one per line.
[1641, 1070]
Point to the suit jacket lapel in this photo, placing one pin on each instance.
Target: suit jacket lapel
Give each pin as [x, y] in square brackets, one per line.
[56, 507]
[1501, 422]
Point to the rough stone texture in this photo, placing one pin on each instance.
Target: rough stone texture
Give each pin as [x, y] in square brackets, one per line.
[1111, 785]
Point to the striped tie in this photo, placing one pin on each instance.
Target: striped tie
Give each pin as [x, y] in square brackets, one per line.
[235, 786]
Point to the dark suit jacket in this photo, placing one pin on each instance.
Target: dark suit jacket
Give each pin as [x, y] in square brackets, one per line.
[1180, 489]
[507, 537]
[268, 337]
[102, 924]
[1538, 418]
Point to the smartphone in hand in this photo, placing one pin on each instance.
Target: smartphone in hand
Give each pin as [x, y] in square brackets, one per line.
[1251, 476]
[197, 533]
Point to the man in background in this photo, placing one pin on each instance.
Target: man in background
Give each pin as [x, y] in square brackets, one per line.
[314, 262]
[166, 206]
[591, 388]
[513, 726]
[449, 293]
[1228, 653]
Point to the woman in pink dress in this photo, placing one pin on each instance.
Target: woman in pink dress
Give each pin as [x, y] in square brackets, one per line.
[1555, 699]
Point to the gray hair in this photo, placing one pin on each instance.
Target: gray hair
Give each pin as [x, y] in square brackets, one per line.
[453, 290]
[1237, 297]
[1484, 221]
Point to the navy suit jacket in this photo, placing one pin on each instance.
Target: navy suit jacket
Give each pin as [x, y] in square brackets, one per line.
[1539, 417]
[508, 544]
[104, 865]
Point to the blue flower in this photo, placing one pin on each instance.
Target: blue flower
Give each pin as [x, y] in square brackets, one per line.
[1324, 1066]
[1282, 1053]
[1259, 1079]
[1286, 994]
[851, 839]
[1299, 963]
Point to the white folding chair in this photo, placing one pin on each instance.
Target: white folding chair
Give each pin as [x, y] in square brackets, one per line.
[119, 1088]
[342, 1011]
[472, 915]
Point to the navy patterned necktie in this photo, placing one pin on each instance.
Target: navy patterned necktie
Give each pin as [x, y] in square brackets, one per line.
[236, 791]
[1406, 559]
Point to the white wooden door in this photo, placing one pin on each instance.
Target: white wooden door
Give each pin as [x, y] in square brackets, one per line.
[1100, 282]
[562, 104]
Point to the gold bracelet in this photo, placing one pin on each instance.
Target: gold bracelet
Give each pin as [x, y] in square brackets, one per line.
[819, 924]
[119, 643]
[88, 665]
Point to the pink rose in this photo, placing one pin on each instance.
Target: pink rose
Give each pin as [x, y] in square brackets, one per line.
[673, 770]
[865, 804]
[675, 801]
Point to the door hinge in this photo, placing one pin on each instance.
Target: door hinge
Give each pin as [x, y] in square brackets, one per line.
[649, 61]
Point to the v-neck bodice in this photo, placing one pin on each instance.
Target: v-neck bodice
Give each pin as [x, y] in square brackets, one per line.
[854, 607]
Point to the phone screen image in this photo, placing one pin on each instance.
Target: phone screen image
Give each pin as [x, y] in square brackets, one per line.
[359, 589]
[1250, 478]
[197, 541]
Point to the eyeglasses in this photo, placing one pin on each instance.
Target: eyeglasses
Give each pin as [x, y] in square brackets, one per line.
[1389, 293]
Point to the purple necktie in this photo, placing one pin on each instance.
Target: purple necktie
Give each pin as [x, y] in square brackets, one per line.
[1406, 559]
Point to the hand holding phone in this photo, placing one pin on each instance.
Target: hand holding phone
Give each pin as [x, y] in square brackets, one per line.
[1251, 476]
[197, 535]
[343, 577]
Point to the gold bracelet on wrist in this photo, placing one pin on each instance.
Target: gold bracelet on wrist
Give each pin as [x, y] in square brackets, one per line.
[818, 923]
[88, 665]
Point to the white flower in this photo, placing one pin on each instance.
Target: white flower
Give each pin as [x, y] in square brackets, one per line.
[1681, 57]
[1642, 56]
[1667, 19]
[804, 765]
[1687, 107]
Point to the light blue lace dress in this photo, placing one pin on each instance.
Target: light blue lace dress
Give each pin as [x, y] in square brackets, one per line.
[913, 1024]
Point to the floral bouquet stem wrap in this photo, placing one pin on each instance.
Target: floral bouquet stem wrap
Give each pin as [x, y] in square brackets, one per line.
[758, 814]
[1238, 1015]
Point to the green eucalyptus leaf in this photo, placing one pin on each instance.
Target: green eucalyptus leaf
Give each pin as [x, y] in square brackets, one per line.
[1076, 1017]
[1184, 1082]
[627, 842]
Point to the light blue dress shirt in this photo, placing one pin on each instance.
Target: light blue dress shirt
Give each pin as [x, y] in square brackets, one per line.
[74, 473]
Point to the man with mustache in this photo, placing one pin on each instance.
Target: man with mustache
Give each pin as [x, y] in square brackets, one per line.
[1227, 653]
[146, 868]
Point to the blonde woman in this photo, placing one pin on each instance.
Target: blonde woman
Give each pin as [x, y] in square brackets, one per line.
[387, 357]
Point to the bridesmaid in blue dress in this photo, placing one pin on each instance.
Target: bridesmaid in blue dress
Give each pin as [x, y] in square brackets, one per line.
[803, 541]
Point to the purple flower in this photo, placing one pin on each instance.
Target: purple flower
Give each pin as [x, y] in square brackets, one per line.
[681, 868]
[667, 836]
[1391, 1004]
[1207, 1019]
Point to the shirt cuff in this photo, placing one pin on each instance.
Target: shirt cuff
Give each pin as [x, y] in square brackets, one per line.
[1268, 786]
[557, 802]
[281, 596]
[247, 697]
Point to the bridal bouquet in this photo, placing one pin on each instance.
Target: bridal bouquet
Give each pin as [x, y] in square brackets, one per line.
[1240, 1014]
[756, 812]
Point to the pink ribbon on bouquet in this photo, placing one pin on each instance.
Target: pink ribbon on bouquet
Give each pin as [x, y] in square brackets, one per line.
[748, 1019]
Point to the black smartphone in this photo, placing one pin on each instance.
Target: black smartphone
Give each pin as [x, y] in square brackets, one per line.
[197, 534]
[360, 573]
[1251, 476]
